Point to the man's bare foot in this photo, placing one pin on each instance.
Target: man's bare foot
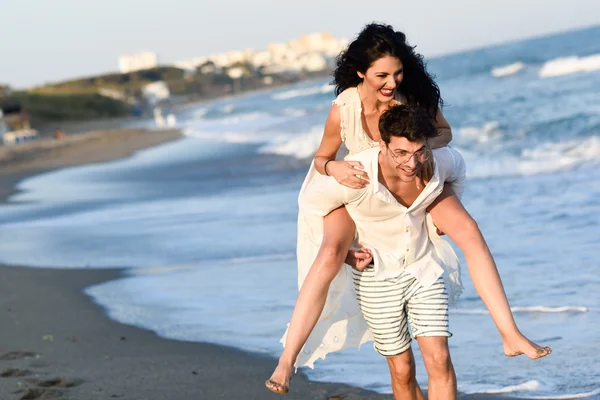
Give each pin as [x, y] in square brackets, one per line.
[522, 345]
[280, 379]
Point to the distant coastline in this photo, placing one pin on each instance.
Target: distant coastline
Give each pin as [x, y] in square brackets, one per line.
[117, 95]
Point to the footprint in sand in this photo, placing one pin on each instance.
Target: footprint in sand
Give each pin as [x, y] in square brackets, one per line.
[40, 393]
[14, 372]
[56, 382]
[17, 355]
[48, 389]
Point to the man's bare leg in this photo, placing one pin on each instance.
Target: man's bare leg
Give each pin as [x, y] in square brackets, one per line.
[404, 377]
[442, 378]
[450, 217]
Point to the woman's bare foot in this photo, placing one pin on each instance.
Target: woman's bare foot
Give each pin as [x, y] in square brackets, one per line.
[522, 345]
[280, 379]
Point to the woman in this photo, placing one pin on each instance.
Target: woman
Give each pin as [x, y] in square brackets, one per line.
[377, 70]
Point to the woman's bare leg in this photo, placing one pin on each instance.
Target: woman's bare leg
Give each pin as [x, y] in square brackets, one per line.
[450, 217]
[338, 234]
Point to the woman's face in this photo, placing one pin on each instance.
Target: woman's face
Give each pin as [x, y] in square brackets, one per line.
[383, 77]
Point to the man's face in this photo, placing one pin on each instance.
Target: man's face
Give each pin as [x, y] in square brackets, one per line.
[404, 157]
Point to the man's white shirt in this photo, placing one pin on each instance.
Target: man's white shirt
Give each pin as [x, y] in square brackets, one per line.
[399, 237]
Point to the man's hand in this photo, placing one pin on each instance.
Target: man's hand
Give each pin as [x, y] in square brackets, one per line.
[359, 259]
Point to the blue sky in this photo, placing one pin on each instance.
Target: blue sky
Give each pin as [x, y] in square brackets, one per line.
[50, 40]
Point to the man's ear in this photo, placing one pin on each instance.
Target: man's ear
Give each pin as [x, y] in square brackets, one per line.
[382, 146]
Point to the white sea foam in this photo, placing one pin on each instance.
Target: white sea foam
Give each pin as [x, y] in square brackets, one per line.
[228, 137]
[228, 108]
[507, 70]
[564, 396]
[294, 112]
[570, 65]
[233, 119]
[488, 389]
[528, 386]
[545, 158]
[240, 128]
[293, 93]
[299, 146]
[490, 131]
[199, 113]
[529, 309]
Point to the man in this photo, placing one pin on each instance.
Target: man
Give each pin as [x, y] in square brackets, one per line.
[414, 273]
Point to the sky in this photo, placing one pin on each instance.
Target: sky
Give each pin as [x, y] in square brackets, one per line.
[51, 40]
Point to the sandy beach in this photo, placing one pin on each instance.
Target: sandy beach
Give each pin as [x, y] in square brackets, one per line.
[55, 343]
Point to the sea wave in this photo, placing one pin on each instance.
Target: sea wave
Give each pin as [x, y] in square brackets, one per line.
[293, 93]
[527, 309]
[528, 386]
[228, 137]
[485, 389]
[507, 70]
[227, 109]
[299, 146]
[239, 128]
[544, 158]
[570, 65]
[488, 132]
[483, 149]
[199, 113]
[564, 396]
[294, 112]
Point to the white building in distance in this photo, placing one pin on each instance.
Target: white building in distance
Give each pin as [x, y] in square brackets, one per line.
[137, 61]
[312, 52]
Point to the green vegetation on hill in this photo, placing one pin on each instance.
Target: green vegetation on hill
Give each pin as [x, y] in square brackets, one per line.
[62, 107]
[116, 94]
[129, 84]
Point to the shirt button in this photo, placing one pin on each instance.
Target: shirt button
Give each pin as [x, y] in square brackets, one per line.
[407, 229]
[407, 250]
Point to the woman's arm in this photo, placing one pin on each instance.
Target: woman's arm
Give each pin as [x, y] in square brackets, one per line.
[331, 141]
[444, 132]
[347, 173]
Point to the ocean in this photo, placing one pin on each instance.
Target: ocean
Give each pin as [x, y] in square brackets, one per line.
[206, 225]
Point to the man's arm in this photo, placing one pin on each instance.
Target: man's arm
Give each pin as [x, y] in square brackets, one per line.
[452, 167]
[450, 216]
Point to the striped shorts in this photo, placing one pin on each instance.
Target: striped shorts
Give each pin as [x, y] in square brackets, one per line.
[390, 306]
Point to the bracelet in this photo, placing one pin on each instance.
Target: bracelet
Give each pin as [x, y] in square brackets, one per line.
[325, 167]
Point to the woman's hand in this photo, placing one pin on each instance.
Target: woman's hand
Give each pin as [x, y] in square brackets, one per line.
[348, 173]
[427, 171]
[359, 259]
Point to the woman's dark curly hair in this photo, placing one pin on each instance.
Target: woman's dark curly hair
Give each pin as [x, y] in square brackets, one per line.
[376, 41]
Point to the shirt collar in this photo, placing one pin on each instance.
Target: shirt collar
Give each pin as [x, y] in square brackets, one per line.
[387, 195]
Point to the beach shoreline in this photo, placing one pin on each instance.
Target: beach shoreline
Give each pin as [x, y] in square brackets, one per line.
[56, 343]
[18, 162]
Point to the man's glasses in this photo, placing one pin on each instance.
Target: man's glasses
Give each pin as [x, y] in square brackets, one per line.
[403, 157]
